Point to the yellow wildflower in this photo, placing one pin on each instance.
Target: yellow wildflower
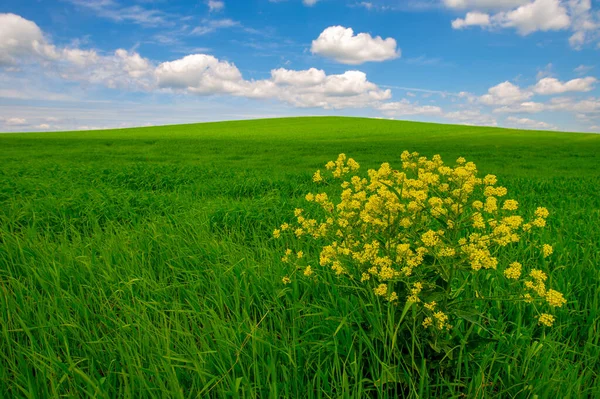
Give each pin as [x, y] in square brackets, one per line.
[542, 213]
[538, 275]
[477, 205]
[510, 205]
[441, 319]
[430, 238]
[317, 177]
[555, 298]
[286, 280]
[381, 290]
[490, 180]
[427, 322]
[513, 271]
[547, 250]
[546, 319]
[276, 233]
[308, 271]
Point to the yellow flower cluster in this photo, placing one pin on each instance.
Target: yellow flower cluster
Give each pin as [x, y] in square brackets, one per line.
[547, 250]
[546, 319]
[513, 271]
[426, 225]
[414, 292]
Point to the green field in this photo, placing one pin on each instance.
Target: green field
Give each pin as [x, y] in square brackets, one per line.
[140, 263]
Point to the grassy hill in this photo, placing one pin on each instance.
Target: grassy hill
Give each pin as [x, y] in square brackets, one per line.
[140, 263]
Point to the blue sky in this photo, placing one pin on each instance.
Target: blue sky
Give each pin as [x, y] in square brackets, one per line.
[82, 64]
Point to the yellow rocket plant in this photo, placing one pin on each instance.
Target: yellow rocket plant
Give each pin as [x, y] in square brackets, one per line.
[417, 236]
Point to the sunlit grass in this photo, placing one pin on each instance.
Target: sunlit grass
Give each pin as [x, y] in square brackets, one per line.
[140, 263]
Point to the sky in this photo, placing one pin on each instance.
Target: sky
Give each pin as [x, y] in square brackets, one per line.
[93, 64]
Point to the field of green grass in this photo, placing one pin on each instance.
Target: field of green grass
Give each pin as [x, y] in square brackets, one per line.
[140, 263]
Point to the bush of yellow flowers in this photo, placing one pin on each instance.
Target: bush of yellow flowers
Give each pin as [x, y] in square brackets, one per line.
[428, 239]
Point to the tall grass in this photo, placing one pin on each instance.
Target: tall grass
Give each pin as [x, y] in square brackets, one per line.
[141, 264]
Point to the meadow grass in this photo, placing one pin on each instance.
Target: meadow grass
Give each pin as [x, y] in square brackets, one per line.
[141, 263]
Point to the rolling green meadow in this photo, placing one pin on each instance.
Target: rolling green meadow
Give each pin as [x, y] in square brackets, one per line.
[141, 263]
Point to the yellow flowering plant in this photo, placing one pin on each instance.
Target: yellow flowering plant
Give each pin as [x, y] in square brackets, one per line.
[429, 240]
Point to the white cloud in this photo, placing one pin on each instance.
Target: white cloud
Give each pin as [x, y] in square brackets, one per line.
[586, 25]
[340, 44]
[528, 16]
[21, 38]
[309, 77]
[137, 14]
[548, 86]
[529, 123]
[122, 69]
[471, 117]
[545, 72]
[205, 75]
[529, 107]
[309, 3]
[582, 107]
[200, 74]
[505, 93]
[540, 15]
[215, 5]
[472, 19]
[366, 4]
[483, 4]
[586, 106]
[212, 25]
[405, 108]
[15, 121]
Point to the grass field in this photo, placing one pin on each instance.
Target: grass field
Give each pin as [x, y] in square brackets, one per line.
[140, 263]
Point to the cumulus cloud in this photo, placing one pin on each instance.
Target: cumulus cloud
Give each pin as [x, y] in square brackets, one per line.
[483, 4]
[471, 117]
[305, 78]
[528, 16]
[122, 69]
[472, 19]
[540, 15]
[529, 107]
[529, 124]
[581, 107]
[340, 44]
[504, 94]
[549, 86]
[406, 108]
[205, 75]
[21, 38]
[200, 74]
